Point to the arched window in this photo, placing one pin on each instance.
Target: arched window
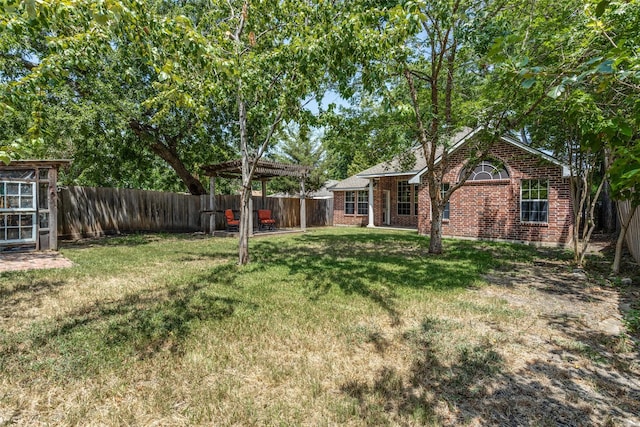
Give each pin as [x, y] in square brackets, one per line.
[486, 171]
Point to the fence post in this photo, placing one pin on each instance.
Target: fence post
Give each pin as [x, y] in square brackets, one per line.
[212, 204]
[251, 216]
[303, 207]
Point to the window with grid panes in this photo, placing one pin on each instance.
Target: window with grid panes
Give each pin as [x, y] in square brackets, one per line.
[349, 202]
[404, 198]
[363, 202]
[534, 200]
[487, 171]
[17, 211]
[443, 189]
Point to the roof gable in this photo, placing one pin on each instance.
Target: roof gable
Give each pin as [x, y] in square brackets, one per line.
[509, 140]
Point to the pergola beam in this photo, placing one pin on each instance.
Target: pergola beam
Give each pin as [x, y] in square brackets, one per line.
[264, 170]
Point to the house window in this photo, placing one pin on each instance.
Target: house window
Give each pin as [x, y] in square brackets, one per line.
[363, 202]
[404, 198]
[486, 171]
[415, 199]
[350, 202]
[17, 211]
[443, 189]
[534, 200]
[356, 201]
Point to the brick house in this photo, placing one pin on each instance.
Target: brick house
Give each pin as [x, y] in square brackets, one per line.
[517, 193]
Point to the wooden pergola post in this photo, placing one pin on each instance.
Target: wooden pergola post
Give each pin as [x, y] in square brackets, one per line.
[264, 193]
[212, 204]
[303, 207]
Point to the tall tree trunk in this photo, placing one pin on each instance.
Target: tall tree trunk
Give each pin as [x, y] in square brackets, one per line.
[245, 218]
[608, 212]
[435, 244]
[245, 215]
[170, 156]
[624, 225]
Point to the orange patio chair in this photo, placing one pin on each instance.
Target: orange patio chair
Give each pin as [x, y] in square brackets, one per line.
[233, 224]
[265, 220]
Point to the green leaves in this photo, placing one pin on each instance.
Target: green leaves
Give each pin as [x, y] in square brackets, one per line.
[556, 91]
[601, 7]
[605, 67]
[526, 84]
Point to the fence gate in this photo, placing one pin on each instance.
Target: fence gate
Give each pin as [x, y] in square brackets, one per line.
[28, 205]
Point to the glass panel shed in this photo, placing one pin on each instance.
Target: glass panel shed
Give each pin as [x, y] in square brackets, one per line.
[28, 204]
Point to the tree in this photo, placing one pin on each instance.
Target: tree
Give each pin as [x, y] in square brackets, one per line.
[429, 51]
[271, 59]
[367, 132]
[625, 176]
[570, 129]
[299, 145]
[254, 60]
[101, 96]
[600, 65]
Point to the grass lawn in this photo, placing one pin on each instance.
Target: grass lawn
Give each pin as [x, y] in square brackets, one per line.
[338, 326]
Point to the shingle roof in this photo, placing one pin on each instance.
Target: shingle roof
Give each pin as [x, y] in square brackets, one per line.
[407, 164]
[352, 183]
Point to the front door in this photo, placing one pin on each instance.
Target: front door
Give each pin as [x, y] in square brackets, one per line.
[386, 208]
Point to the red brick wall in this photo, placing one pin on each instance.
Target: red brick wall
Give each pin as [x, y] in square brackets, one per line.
[491, 209]
[340, 218]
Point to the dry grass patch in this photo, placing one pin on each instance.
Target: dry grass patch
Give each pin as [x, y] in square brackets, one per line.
[333, 327]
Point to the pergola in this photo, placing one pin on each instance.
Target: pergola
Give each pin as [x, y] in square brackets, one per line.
[265, 170]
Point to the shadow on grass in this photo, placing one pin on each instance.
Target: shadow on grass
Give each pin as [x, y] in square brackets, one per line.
[28, 290]
[470, 384]
[377, 265]
[106, 333]
[128, 239]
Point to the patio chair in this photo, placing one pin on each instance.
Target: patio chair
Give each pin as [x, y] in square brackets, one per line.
[233, 224]
[265, 220]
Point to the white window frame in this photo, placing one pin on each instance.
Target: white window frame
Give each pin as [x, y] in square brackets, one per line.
[360, 202]
[487, 167]
[6, 212]
[350, 202]
[536, 199]
[405, 203]
[446, 212]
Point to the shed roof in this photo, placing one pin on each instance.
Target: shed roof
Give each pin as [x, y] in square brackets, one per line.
[264, 169]
[56, 163]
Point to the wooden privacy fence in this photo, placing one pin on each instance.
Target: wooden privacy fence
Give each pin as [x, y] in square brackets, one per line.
[90, 212]
[633, 232]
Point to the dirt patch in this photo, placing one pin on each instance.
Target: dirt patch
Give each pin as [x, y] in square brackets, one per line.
[32, 261]
[570, 361]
